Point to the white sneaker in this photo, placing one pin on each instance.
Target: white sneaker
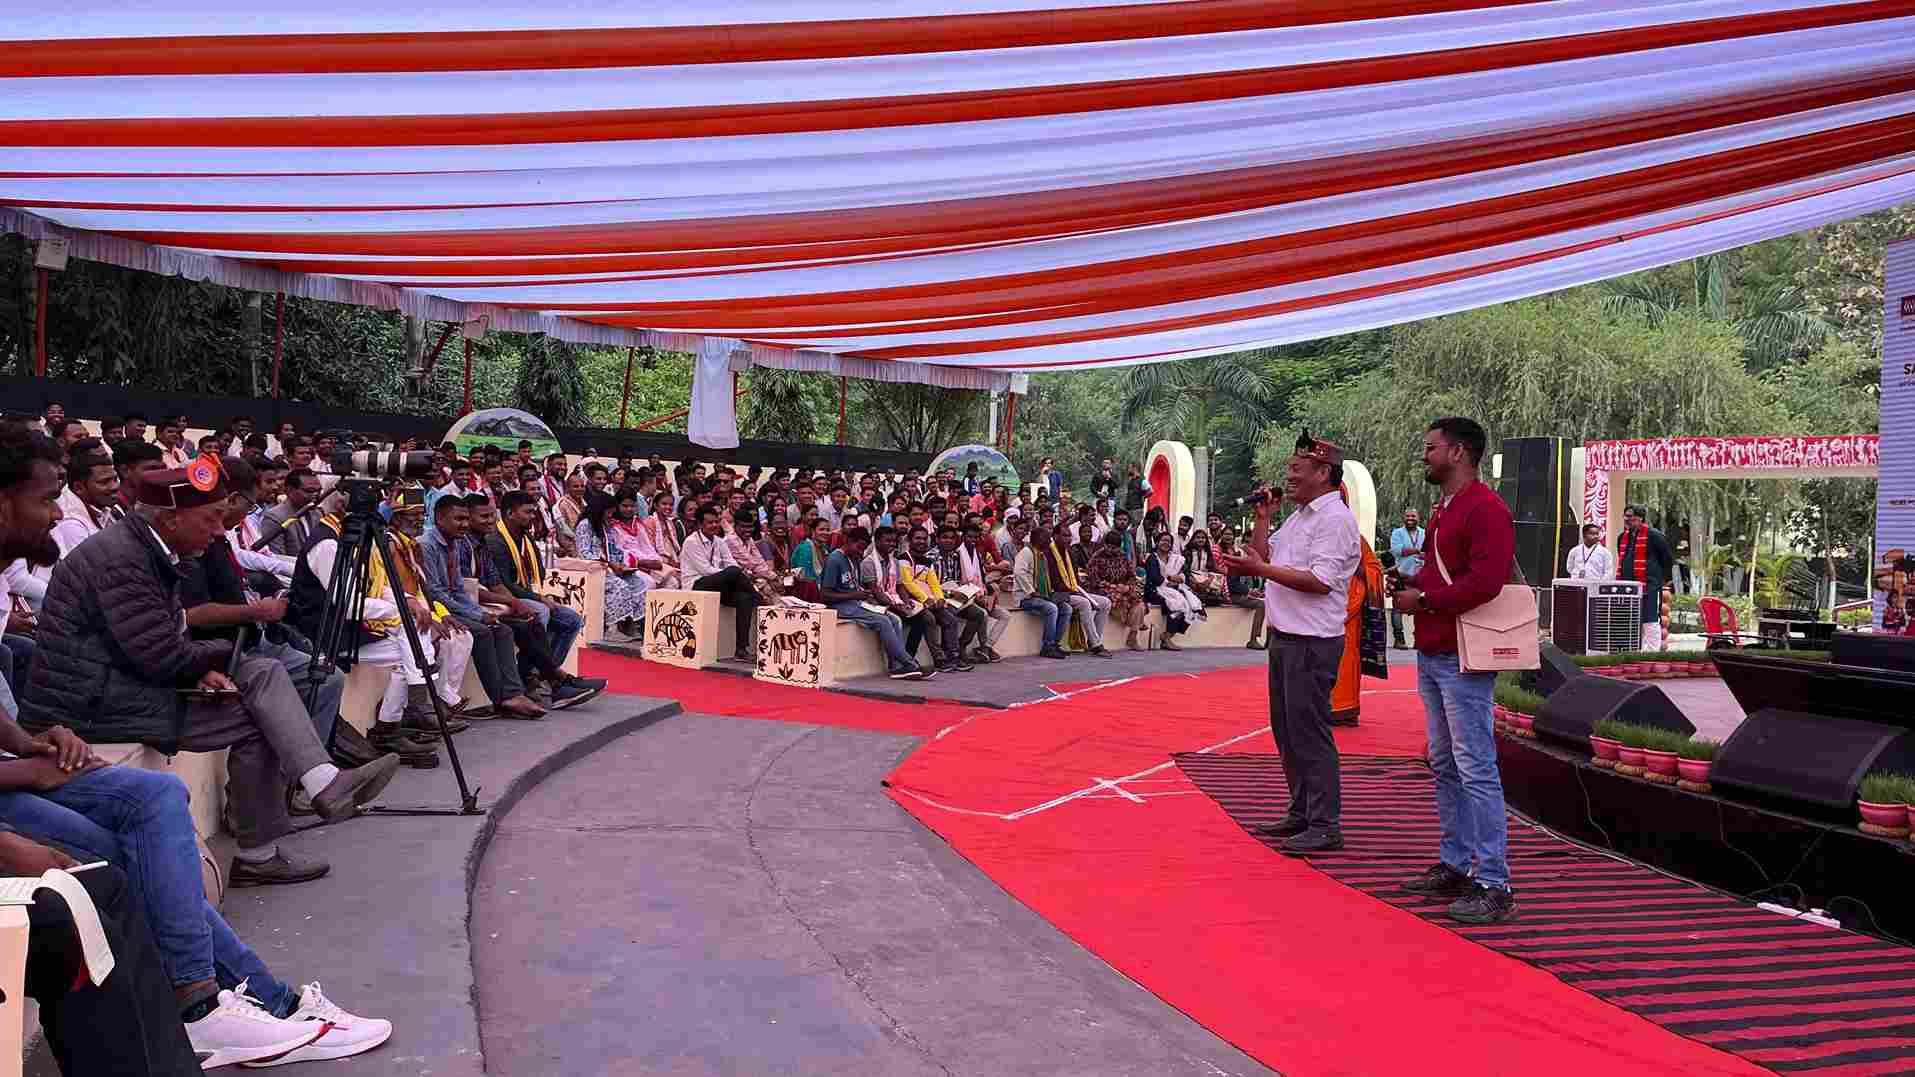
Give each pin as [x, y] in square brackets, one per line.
[344, 1034]
[241, 1030]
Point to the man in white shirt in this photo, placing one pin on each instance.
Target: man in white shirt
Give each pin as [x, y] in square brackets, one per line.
[1309, 563]
[707, 565]
[172, 440]
[92, 486]
[1592, 560]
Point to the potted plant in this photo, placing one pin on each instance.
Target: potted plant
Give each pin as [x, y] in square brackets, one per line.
[1629, 757]
[1884, 803]
[1693, 760]
[1659, 755]
[1525, 723]
[1604, 742]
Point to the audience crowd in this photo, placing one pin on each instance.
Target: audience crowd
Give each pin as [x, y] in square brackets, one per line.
[170, 595]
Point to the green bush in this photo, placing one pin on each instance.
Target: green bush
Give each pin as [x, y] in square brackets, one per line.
[1633, 735]
[1608, 729]
[1855, 618]
[1664, 740]
[1510, 694]
[1888, 787]
[1699, 748]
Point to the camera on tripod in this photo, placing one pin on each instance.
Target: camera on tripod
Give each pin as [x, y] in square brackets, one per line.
[363, 474]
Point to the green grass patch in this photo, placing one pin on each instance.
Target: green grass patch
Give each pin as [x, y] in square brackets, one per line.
[1699, 748]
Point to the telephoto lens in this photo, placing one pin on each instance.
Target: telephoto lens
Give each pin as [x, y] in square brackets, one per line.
[391, 464]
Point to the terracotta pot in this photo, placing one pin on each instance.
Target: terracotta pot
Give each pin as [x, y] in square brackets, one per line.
[1911, 816]
[1524, 722]
[1629, 757]
[1604, 747]
[1888, 815]
[1664, 668]
[1693, 770]
[1702, 669]
[1659, 762]
[1499, 712]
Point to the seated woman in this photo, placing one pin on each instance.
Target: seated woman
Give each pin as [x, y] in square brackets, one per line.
[598, 536]
[808, 556]
[1206, 577]
[1110, 572]
[1166, 587]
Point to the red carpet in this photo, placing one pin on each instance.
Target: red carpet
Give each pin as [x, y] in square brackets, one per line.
[1077, 808]
[742, 697]
[1786, 994]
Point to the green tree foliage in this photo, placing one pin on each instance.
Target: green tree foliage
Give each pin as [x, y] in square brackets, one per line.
[1073, 419]
[787, 405]
[915, 418]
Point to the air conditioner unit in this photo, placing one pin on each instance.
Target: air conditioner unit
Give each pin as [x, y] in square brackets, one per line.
[1596, 616]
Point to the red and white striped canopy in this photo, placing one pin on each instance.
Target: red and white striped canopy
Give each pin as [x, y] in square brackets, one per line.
[1002, 184]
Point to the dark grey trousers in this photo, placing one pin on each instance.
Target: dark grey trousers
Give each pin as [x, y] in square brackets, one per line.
[1303, 670]
[271, 740]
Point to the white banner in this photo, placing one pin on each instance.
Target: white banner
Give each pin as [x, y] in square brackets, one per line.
[1894, 569]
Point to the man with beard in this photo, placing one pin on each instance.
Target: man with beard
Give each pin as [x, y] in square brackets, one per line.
[92, 486]
[1470, 544]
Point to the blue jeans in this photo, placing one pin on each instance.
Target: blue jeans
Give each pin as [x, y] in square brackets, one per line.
[137, 820]
[890, 637]
[11, 673]
[1469, 789]
[1057, 618]
[562, 625]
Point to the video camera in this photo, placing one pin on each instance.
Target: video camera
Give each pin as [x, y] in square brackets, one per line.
[363, 474]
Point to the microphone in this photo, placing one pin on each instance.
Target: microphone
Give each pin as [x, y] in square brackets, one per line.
[1257, 498]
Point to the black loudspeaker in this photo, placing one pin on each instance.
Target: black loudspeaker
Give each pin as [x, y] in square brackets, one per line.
[1806, 758]
[1877, 650]
[1571, 713]
[1556, 670]
[1535, 479]
[1541, 549]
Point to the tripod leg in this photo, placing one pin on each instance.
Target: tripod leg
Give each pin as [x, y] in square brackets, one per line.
[376, 538]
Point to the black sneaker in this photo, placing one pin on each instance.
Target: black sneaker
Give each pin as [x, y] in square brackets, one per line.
[1099, 651]
[572, 693]
[1439, 883]
[1345, 723]
[913, 673]
[1317, 840]
[1054, 652]
[1483, 905]
[1287, 827]
[960, 665]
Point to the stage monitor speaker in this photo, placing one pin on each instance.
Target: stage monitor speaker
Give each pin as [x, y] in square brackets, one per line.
[1571, 713]
[1557, 669]
[1807, 758]
[1876, 650]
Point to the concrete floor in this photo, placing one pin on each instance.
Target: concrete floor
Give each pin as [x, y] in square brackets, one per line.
[1707, 703]
[714, 896]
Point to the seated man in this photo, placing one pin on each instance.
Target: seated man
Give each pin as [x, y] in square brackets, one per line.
[882, 570]
[921, 581]
[536, 659]
[218, 606]
[1036, 589]
[515, 557]
[406, 724]
[447, 560]
[1087, 606]
[128, 1024]
[707, 565]
[450, 640]
[92, 486]
[843, 591]
[116, 663]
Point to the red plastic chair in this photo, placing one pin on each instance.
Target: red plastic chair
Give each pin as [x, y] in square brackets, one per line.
[1719, 624]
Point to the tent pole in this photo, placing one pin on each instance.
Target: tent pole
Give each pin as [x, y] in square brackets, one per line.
[626, 397]
[466, 408]
[1010, 421]
[844, 389]
[40, 323]
[279, 337]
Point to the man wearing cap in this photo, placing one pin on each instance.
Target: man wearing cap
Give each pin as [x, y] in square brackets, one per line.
[116, 664]
[1310, 560]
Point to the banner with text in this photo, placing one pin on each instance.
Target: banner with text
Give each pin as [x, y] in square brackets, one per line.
[1894, 569]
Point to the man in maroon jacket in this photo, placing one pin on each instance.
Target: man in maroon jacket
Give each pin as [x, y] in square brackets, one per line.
[1472, 542]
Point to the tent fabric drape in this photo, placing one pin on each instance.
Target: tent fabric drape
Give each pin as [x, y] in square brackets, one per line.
[986, 185]
[713, 421]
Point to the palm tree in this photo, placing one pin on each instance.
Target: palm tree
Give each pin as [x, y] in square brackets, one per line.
[1772, 572]
[1773, 322]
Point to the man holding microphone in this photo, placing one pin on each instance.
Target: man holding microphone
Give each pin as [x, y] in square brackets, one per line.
[1309, 563]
